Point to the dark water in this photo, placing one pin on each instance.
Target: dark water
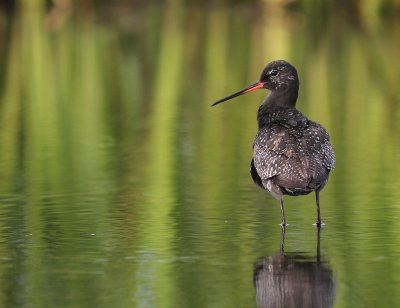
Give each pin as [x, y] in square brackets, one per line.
[121, 187]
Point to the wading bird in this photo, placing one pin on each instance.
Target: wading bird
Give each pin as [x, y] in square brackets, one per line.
[292, 155]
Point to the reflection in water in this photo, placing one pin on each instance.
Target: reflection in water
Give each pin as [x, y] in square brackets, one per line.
[293, 280]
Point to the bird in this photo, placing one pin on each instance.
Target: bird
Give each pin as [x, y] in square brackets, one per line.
[292, 155]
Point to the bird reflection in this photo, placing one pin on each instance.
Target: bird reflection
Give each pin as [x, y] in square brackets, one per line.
[293, 280]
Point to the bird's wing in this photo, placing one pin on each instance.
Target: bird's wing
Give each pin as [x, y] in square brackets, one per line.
[318, 144]
[272, 148]
[279, 150]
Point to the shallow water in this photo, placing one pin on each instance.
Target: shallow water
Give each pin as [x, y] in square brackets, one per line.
[120, 186]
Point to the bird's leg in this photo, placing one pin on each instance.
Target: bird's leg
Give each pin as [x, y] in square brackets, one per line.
[319, 222]
[282, 213]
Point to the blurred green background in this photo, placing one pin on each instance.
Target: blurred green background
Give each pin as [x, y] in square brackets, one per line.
[120, 186]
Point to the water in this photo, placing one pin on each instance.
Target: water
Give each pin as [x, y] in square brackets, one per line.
[120, 186]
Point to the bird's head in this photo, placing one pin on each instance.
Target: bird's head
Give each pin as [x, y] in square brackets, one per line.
[276, 76]
[279, 75]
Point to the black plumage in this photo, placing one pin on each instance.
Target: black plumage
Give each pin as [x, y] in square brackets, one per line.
[292, 154]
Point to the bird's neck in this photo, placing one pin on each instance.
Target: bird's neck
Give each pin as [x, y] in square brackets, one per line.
[277, 104]
[283, 97]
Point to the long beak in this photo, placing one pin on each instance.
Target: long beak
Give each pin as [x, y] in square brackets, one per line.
[254, 86]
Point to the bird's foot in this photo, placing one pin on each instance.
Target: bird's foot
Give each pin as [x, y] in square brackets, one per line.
[319, 224]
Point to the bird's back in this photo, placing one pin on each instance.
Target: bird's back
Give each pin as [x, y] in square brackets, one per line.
[292, 152]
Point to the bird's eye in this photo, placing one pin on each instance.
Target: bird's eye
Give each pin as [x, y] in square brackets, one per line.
[273, 73]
